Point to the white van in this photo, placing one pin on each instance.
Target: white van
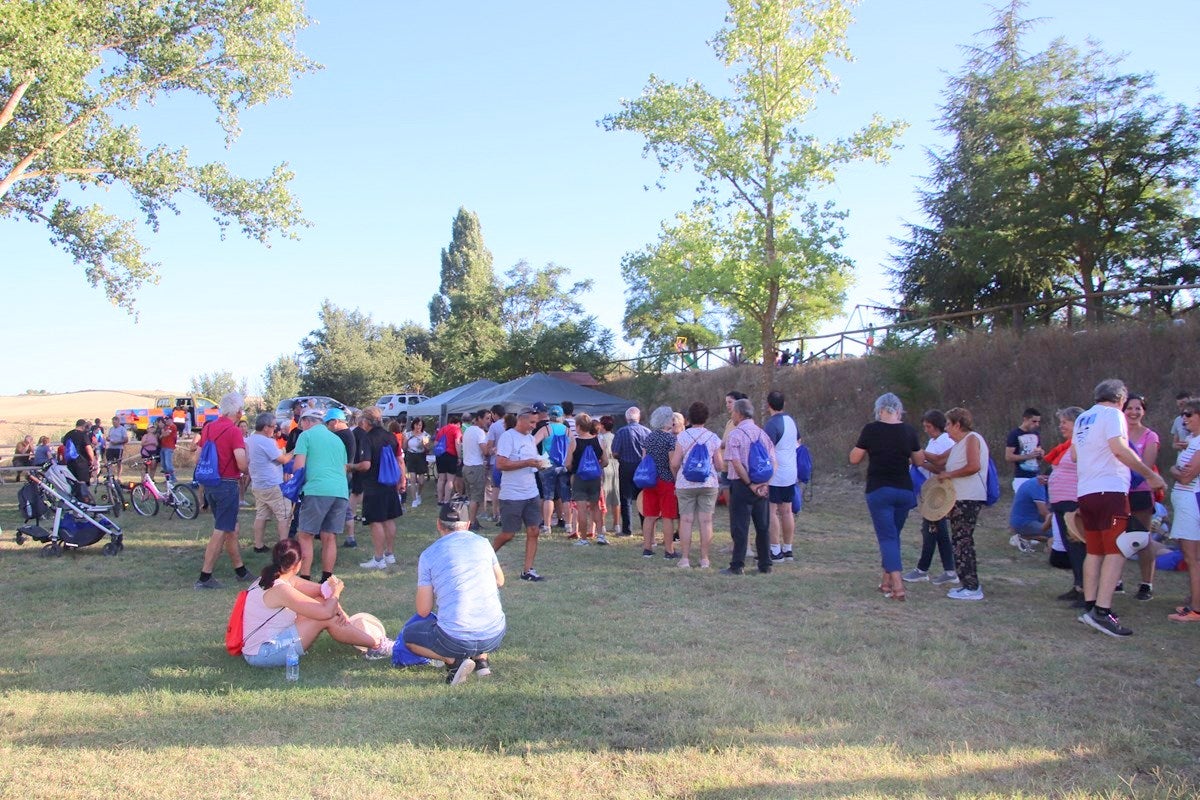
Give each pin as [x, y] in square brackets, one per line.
[393, 405]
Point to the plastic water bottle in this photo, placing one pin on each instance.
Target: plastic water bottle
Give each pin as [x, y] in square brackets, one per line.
[293, 664]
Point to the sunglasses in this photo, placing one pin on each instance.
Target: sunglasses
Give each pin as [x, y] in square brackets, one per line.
[1189, 414]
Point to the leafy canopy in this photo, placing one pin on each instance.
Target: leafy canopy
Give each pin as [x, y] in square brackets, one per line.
[754, 244]
[72, 72]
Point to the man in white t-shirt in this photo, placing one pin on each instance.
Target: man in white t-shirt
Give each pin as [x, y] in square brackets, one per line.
[518, 460]
[780, 488]
[494, 432]
[474, 463]
[1104, 459]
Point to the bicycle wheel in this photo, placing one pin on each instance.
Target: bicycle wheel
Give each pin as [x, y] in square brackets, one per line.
[102, 494]
[115, 494]
[186, 505]
[144, 503]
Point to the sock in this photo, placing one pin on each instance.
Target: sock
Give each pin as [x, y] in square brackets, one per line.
[776, 550]
[205, 576]
[1101, 612]
[1149, 586]
[325, 576]
[1088, 605]
[306, 577]
[242, 572]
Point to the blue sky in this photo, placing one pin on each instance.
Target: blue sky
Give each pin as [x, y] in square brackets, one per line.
[423, 108]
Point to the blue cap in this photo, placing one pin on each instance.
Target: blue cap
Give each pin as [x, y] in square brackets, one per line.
[556, 412]
[335, 413]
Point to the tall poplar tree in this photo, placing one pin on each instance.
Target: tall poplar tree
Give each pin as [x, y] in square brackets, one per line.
[755, 244]
[464, 316]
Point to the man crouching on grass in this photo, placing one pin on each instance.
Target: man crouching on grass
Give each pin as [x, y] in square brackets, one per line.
[461, 572]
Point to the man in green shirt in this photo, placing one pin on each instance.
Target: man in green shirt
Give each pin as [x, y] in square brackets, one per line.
[322, 455]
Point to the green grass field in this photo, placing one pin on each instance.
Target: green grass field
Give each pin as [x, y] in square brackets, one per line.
[621, 677]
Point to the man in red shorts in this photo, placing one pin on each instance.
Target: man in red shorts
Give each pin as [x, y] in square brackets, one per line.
[1103, 457]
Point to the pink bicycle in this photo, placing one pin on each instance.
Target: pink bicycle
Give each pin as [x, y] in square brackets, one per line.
[178, 497]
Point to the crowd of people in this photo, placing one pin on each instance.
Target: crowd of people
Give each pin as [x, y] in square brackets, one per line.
[1094, 500]
[1091, 500]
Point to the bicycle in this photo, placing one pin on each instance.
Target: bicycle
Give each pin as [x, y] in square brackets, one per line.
[109, 491]
[178, 497]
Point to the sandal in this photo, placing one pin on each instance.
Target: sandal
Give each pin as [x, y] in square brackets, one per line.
[897, 597]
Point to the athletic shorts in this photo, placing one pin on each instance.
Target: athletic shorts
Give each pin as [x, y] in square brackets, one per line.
[1141, 501]
[381, 505]
[696, 501]
[447, 464]
[585, 491]
[322, 514]
[223, 500]
[518, 515]
[1185, 515]
[659, 500]
[415, 464]
[269, 503]
[780, 494]
[114, 454]
[1104, 516]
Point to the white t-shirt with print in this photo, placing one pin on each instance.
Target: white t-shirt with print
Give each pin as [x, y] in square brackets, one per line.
[1099, 469]
[1183, 459]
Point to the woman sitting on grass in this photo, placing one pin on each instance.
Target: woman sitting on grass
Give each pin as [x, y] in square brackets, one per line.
[284, 610]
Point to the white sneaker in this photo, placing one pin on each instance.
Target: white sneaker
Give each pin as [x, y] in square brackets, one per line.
[389, 558]
[374, 564]
[685, 564]
[416, 501]
[601, 540]
[963, 593]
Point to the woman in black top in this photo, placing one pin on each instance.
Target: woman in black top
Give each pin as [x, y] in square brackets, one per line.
[585, 491]
[891, 445]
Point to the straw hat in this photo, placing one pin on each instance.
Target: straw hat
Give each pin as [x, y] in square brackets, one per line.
[937, 498]
[370, 624]
[1074, 526]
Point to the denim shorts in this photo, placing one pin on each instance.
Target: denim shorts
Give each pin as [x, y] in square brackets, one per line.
[223, 500]
[426, 633]
[273, 652]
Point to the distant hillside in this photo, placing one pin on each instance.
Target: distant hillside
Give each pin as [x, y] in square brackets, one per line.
[994, 375]
[47, 414]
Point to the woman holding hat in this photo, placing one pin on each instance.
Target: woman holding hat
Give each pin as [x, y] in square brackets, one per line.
[284, 611]
[966, 467]
[890, 445]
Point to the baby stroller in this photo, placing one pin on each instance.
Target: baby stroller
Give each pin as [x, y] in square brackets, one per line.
[75, 523]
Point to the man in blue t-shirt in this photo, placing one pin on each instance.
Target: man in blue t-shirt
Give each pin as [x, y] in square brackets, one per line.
[1030, 516]
[460, 572]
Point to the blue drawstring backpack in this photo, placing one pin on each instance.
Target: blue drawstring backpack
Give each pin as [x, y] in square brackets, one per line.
[401, 655]
[918, 480]
[70, 451]
[389, 468]
[804, 465]
[993, 485]
[207, 472]
[589, 466]
[697, 467]
[294, 485]
[758, 463]
[646, 474]
[439, 445]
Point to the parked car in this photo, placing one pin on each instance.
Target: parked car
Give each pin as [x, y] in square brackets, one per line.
[395, 406]
[283, 411]
[199, 409]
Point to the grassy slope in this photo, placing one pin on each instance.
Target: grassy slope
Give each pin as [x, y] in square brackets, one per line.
[621, 678]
